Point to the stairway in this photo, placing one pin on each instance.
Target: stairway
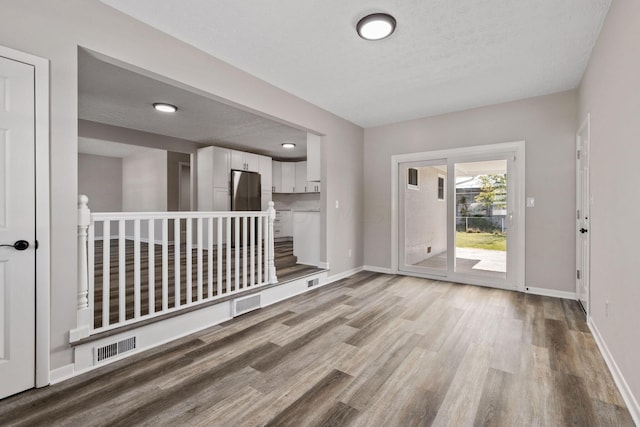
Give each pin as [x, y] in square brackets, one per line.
[285, 262]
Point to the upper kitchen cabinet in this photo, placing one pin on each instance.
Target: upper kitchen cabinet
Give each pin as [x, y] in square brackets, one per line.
[245, 161]
[276, 176]
[213, 166]
[291, 177]
[266, 173]
[288, 177]
[301, 177]
[314, 157]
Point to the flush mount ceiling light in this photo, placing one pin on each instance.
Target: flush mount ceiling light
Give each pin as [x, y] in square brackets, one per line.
[376, 26]
[288, 145]
[165, 108]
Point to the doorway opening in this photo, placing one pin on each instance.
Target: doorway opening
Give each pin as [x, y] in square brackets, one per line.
[459, 215]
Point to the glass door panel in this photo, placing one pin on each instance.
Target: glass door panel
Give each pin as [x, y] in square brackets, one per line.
[423, 216]
[481, 218]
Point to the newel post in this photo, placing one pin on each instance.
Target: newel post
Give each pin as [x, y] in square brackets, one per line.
[83, 315]
[271, 266]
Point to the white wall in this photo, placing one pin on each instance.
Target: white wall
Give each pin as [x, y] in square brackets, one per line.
[144, 182]
[54, 30]
[100, 178]
[610, 92]
[547, 123]
[425, 218]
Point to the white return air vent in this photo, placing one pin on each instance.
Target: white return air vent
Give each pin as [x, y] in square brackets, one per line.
[114, 349]
[244, 305]
[313, 282]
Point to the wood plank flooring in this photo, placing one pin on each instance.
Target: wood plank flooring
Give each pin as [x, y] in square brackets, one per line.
[370, 350]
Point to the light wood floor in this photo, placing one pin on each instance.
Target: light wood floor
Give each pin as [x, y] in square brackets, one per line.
[371, 350]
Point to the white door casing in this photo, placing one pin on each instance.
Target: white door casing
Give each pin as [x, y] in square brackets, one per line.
[514, 152]
[17, 222]
[583, 200]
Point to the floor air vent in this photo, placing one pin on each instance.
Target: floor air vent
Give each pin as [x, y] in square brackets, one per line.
[114, 349]
[245, 305]
[313, 282]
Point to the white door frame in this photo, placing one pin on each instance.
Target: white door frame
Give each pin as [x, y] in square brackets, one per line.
[582, 220]
[518, 227]
[42, 321]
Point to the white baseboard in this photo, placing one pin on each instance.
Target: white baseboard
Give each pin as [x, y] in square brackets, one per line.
[623, 387]
[324, 265]
[62, 373]
[344, 274]
[375, 269]
[551, 293]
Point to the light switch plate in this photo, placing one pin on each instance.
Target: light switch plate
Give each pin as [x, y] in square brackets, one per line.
[531, 202]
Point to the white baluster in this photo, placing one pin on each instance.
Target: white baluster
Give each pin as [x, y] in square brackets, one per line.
[228, 248]
[271, 265]
[237, 249]
[244, 251]
[259, 243]
[199, 258]
[151, 252]
[122, 272]
[106, 271]
[176, 249]
[136, 268]
[219, 250]
[165, 264]
[210, 257]
[83, 314]
[252, 244]
[188, 270]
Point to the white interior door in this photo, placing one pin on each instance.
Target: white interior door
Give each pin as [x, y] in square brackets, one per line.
[582, 215]
[17, 223]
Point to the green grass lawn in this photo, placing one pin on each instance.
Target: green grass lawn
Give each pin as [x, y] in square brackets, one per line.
[481, 241]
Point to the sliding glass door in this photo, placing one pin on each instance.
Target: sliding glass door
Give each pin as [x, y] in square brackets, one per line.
[460, 215]
[423, 246]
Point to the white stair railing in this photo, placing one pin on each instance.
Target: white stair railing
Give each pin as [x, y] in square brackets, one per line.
[134, 266]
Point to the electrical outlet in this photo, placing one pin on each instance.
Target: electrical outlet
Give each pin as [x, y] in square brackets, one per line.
[337, 204]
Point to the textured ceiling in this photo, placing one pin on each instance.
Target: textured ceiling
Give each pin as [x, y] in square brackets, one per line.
[120, 97]
[108, 148]
[446, 55]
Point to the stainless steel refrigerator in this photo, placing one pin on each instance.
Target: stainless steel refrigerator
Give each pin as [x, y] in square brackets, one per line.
[245, 196]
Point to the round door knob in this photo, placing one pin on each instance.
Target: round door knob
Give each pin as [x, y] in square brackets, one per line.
[583, 230]
[19, 245]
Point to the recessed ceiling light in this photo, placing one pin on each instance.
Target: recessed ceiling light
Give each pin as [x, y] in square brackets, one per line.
[165, 108]
[376, 26]
[288, 145]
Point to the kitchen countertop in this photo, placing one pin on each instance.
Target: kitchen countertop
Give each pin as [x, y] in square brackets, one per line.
[306, 210]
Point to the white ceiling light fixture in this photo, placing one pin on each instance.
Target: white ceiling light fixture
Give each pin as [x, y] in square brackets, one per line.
[376, 26]
[164, 107]
[288, 145]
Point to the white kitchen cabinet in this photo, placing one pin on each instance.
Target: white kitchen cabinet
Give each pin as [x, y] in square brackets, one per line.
[313, 157]
[245, 161]
[288, 177]
[276, 176]
[313, 187]
[301, 177]
[213, 178]
[306, 237]
[266, 173]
